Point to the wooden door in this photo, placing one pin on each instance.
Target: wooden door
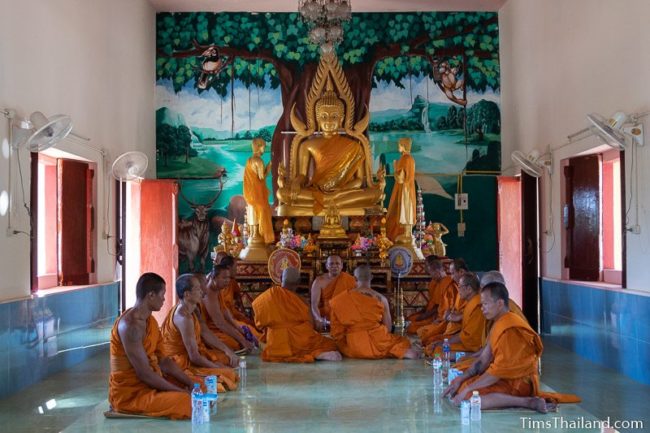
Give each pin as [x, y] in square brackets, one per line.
[581, 217]
[509, 234]
[530, 249]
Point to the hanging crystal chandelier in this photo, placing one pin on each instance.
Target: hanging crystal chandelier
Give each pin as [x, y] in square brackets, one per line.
[325, 18]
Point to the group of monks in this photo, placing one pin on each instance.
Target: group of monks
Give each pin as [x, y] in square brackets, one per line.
[153, 369]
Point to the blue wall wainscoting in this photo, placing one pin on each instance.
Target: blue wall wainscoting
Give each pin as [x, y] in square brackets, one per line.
[43, 335]
[608, 327]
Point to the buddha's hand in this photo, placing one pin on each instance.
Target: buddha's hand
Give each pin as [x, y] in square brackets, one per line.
[295, 188]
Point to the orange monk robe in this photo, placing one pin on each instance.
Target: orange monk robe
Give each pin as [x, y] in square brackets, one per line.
[173, 347]
[225, 338]
[430, 333]
[357, 327]
[516, 349]
[286, 321]
[256, 195]
[441, 294]
[336, 163]
[401, 208]
[128, 394]
[472, 327]
[465, 363]
[227, 297]
[342, 283]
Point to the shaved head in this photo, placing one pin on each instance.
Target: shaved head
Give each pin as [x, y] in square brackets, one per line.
[363, 273]
[492, 277]
[290, 277]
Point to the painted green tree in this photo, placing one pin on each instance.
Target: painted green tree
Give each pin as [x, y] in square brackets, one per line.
[273, 49]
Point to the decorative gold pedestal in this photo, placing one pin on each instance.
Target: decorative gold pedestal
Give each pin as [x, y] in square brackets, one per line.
[256, 250]
[406, 240]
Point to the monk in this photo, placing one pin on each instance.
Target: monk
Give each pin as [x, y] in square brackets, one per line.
[230, 298]
[506, 372]
[361, 323]
[472, 325]
[218, 318]
[487, 278]
[327, 286]
[142, 381]
[181, 337]
[452, 316]
[442, 292]
[288, 327]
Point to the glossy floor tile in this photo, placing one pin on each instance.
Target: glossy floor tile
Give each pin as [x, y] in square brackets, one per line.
[352, 396]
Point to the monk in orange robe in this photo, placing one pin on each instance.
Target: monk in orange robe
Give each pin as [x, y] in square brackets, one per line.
[256, 193]
[217, 316]
[138, 382]
[230, 298]
[287, 325]
[487, 278]
[327, 286]
[361, 323]
[452, 311]
[181, 337]
[506, 375]
[442, 292]
[472, 325]
[401, 208]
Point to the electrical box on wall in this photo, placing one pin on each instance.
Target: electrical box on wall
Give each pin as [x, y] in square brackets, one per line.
[461, 201]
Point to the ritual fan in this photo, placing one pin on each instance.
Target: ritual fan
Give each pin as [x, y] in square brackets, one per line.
[130, 166]
[532, 163]
[40, 132]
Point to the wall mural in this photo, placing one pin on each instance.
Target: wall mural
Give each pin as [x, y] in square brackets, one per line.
[222, 79]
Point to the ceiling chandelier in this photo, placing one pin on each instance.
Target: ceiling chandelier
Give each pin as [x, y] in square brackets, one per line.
[325, 18]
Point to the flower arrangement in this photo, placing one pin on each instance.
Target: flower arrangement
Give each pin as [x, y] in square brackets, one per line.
[362, 243]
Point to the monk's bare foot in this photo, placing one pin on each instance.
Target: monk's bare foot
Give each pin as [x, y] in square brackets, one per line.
[330, 356]
[412, 354]
[540, 405]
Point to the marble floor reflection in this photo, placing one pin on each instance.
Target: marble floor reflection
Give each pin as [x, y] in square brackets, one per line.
[352, 396]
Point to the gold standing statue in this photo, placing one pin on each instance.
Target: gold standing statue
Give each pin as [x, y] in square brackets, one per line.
[401, 209]
[258, 210]
[325, 165]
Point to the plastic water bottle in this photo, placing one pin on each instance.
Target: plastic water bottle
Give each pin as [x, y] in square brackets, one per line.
[197, 405]
[464, 412]
[211, 393]
[206, 408]
[475, 406]
[242, 371]
[446, 356]
[437, 373]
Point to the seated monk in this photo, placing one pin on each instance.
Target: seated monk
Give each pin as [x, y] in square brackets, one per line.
[487, 278]
[472, 324]
[505, 375]
[230, 298]
[442, 292]
[361, 323]
[452, 316]
[287, 325]
[142, 381]
[181, 336]
[217, 316]
[327, 286]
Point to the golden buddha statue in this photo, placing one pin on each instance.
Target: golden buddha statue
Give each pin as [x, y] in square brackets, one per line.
[326, 166]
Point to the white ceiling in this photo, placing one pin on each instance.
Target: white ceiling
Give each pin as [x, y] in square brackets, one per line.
[357, 5]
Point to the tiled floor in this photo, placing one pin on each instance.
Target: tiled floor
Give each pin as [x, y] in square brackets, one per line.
[352, 396]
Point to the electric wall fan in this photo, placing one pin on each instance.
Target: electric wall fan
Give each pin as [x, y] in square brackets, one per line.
[130, 166]
[532, 163]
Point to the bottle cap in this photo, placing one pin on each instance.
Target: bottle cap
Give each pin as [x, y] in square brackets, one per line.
[475, 393]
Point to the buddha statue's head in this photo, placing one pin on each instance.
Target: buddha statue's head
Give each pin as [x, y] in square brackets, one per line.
[404, 144]
[258, 146]
[329, 111]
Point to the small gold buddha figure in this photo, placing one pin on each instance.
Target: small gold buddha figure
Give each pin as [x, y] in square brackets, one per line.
[310, 247]
[332, 227]
[224, 240]
[325, 165]
[437, 231]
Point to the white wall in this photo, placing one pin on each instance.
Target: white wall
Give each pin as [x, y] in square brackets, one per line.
[561, 60]
[93, 60]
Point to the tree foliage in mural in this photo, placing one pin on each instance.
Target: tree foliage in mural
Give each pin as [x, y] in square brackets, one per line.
[274, 50]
